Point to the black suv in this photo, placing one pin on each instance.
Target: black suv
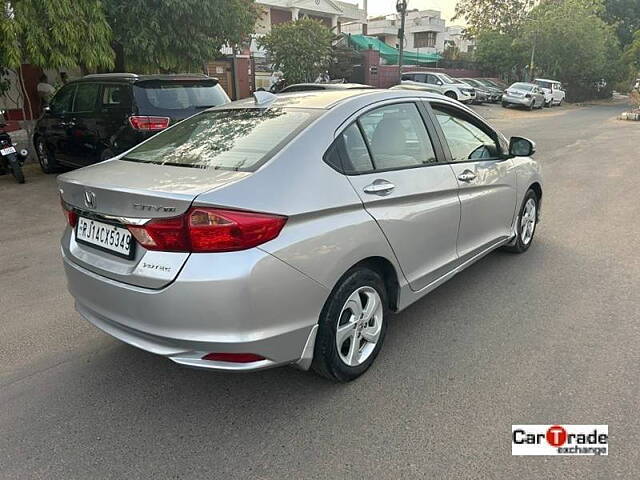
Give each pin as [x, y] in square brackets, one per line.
[99, 116]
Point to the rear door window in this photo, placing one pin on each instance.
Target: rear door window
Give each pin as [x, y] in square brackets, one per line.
[86, 98]
[397, 137]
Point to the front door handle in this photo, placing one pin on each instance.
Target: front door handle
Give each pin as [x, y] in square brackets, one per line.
[467, 176]
[379, 187]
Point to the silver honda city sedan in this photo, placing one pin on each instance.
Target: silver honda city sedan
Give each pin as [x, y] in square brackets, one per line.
[285, 229]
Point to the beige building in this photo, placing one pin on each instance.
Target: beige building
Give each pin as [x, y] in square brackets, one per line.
[424, 30]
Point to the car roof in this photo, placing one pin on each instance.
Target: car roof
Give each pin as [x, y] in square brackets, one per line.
[331, 86]
[134, 77]
[546, 80]
[327, 99]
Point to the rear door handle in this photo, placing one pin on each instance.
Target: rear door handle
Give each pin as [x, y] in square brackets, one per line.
[467, 176]
[379, 187]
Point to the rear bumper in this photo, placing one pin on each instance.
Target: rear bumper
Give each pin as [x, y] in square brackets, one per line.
[516, 100]
[222, 303]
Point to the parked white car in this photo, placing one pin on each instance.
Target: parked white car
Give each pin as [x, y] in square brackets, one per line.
[553, 92]
[443, 83]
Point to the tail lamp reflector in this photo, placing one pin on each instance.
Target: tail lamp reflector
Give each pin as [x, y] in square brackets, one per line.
[233, 357]
[208, 230]
[149, 123]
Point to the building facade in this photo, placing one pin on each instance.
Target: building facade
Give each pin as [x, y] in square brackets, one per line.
[330, 12]
[425, 31]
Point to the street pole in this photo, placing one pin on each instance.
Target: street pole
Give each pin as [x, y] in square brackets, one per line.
[401, 8]
[533, 58]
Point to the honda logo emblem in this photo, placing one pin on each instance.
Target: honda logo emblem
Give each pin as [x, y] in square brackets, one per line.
[90, 199]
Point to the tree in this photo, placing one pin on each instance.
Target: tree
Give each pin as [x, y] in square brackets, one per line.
[301, 49]
[499, 53]
[502, 16]
[54, 34]
[176, 35]
[573, 44]
[625, 16]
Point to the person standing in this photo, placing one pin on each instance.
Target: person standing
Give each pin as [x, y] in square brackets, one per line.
[45, 91]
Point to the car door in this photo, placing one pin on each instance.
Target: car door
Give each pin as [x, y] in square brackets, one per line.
[395, 167]
[435, 82]
[53, 124]
[81, 129]
[486, 178]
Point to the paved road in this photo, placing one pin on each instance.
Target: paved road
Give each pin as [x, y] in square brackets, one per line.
[550, 336]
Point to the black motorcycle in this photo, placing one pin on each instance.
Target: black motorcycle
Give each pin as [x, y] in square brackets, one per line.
[11, 161]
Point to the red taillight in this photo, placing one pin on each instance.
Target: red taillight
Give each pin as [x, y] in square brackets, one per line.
[233, 357]
[209, 230]
[149, 123]
[69, 213]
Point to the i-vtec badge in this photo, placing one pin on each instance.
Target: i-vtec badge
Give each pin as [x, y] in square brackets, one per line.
[559, 440]
[153, 208]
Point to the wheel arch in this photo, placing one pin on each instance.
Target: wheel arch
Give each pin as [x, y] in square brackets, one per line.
[537, 188]
[389, 275]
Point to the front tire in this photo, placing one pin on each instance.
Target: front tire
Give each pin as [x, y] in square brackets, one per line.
[452, 95]
[527, 222]
[352, 326]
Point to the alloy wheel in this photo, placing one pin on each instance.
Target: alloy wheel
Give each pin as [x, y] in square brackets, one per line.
[43, 156]
[359, 326]
[528, 221]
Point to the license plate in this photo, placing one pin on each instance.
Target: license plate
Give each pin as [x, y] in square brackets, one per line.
[7, 151]
[111, 238]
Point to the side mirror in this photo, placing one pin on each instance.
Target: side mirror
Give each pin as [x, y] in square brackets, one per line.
[439, 83]
[521, 147]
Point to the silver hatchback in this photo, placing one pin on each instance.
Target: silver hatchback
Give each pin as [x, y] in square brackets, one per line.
[285, 229]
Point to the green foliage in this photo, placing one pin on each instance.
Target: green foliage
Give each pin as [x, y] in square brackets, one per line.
[573, 44]
[631, 55]
[301, 49]
[55, 34]
[502, 16]
[625, 16]
[499, 52]
[176, 35]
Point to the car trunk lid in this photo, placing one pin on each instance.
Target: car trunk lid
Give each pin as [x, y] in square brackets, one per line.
[133, 193]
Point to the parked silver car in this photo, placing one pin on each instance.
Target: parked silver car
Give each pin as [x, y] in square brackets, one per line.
[285, 229]
[525, 95]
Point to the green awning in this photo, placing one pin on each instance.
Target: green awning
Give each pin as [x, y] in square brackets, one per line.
[390, 54]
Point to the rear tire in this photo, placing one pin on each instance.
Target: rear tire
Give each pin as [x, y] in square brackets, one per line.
[16, 170]
[527, 222]
[505, 105]
[352, 326]
[46, 159]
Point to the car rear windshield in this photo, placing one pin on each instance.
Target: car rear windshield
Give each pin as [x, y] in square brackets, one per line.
[235, 139]
[522, 86]
[178, 98]
[543, 84]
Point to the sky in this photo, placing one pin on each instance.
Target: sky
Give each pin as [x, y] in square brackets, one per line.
[385, 7]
